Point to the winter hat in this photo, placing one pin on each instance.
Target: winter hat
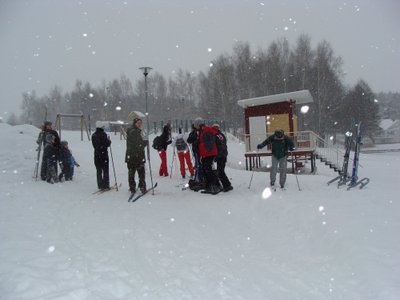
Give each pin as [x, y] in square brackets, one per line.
[135, 120]
[216, 126]
[46, 123]
[279, 133]
[63, 143]
[100, 124]
[198, 121]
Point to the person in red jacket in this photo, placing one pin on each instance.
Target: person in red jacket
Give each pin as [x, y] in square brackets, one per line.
[208, 152]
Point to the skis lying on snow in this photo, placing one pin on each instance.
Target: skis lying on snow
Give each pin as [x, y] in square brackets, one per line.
[114, 187]
[132, 197]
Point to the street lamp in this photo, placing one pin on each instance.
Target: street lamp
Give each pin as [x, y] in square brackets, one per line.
[146, 71]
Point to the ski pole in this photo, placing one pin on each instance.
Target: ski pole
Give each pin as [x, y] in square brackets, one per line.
[252, 173]
[148, 158]
[172, 164]
[115, 176]
[294, 171]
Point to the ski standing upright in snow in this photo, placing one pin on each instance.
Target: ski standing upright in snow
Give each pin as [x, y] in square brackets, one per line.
[354, 174]
[344, 177]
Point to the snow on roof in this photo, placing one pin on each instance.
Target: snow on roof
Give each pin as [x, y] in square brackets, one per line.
[386, 123]
[301, 97]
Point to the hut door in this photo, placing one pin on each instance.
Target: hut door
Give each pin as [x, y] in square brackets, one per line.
[258, 131]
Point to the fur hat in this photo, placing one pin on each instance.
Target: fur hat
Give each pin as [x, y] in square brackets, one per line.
[198, 121]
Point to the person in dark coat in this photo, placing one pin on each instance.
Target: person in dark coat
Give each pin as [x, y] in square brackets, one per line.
[135, 156]
[165, 140]
[50, 158]
[101, 142]
[65, 162]
[280, 144]
[222, 158]
[193, 140]
[43, 139]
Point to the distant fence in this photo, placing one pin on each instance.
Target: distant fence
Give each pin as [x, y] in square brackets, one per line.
[186, 125]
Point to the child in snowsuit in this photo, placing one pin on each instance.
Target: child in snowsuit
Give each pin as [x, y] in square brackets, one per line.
[73, 163]
[65, 162]
[183, 153]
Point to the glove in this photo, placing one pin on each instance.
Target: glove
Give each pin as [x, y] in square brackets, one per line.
[259, 146]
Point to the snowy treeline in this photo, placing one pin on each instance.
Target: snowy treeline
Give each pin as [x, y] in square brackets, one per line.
[214, 94]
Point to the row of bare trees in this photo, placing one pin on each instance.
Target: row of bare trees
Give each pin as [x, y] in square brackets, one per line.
[214, 94]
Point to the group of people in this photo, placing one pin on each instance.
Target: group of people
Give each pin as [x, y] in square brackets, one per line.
[207, 144]
[55, 152]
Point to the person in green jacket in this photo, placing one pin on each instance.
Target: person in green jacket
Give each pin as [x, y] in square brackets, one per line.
[280, 145]
[135, 157]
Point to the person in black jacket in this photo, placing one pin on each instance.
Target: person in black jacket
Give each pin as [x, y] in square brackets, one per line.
[135, 157]
[165, 140]
[221, 159]
[50, 158]
[43, 138]
[101, 142]
[193, 139]
[65, 162]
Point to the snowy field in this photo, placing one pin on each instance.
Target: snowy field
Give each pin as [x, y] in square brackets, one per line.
[62, 242]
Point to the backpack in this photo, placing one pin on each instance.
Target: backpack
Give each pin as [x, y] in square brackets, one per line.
[157, 143]
[180, 144]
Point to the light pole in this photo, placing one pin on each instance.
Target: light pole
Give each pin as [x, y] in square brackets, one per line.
[146, 71]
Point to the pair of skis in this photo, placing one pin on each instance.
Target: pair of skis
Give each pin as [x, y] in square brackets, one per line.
[354, 175]
[132, 197]
[114, 187]
[344, 178]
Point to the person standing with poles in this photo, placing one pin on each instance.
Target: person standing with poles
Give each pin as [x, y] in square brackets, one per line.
[280, 144]
[135, 156]
[43, 140]
[165, 140]
[101, 142]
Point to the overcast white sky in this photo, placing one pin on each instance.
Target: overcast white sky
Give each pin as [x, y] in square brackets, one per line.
[54, 42]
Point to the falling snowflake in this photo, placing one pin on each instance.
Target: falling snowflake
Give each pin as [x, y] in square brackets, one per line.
[51, 249]
[118, 108]
[304, 109]
[266, 193]
[91, 95]
[209, 50]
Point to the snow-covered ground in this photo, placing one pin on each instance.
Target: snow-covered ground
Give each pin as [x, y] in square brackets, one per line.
[62, 242]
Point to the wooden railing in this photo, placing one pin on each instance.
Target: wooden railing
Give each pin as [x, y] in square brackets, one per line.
[303, 140]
